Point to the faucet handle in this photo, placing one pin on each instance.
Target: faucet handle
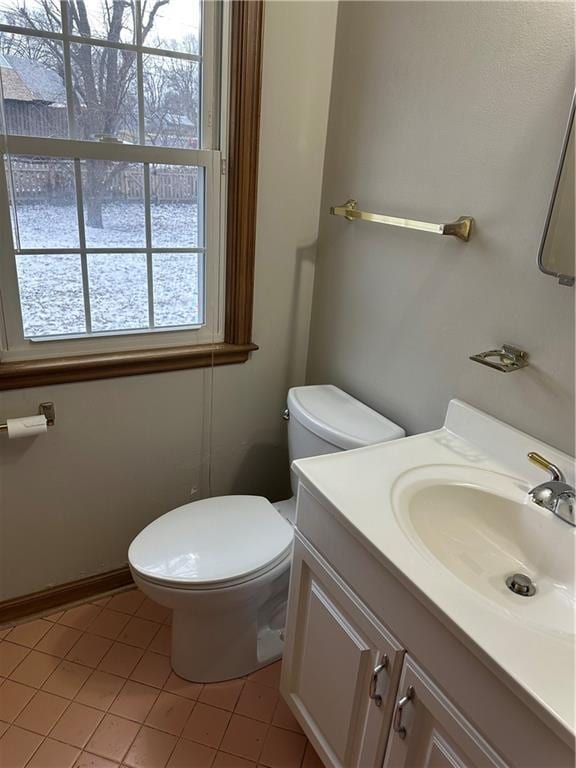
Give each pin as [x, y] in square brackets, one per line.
[543, 463]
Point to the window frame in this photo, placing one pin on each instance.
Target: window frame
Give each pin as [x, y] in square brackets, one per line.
[18, 347]
[243, 28]
[212, 134]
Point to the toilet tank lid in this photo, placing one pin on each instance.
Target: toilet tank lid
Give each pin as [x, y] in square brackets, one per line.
[340, 419]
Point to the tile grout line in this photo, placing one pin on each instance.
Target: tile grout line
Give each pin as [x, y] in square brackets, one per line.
[129, 747]
[44, 737]
[177, 741]
[35, 750]
[158, 689]
[55, 738]
[9, 676]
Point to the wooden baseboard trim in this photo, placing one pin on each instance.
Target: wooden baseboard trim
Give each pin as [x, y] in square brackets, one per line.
[71, 592]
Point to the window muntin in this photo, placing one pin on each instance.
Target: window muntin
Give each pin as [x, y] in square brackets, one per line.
[159, 208]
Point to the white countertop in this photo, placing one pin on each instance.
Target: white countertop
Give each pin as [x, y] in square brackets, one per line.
[358, 486]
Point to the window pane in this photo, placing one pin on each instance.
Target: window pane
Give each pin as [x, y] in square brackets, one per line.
[105, 91]
[51, 294]
[118, 291]
[35, 14]
[174, 196]
[176, 289]
[33, 90]
[174, 26]
[171, 102]
[113, 197]
[111, 20]
[45, 196]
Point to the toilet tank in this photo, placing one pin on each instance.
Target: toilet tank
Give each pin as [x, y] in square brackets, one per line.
[324, 419]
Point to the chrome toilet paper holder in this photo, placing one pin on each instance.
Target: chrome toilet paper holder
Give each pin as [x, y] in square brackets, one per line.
[44, 409]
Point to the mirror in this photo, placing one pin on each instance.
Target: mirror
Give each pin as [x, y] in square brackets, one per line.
[556, 256]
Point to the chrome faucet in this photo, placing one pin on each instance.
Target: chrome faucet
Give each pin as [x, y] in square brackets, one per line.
[555, 495]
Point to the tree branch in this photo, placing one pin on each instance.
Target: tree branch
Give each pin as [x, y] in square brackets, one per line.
[146, 28]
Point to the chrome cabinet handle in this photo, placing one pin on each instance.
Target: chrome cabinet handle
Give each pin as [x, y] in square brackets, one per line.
[397, 726]
[376, 698]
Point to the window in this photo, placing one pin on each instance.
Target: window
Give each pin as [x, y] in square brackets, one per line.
[111, 190]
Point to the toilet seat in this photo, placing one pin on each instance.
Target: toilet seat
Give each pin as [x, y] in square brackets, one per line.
[212, 543]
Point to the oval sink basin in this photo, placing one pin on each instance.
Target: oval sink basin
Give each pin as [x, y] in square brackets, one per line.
[479, 526]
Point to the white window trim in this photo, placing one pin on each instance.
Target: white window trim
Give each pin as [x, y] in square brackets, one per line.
[13, 345]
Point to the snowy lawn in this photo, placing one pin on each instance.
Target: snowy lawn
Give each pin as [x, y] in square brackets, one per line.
[51, 285]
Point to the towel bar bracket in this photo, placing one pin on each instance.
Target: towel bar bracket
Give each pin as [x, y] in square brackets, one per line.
[460, 228]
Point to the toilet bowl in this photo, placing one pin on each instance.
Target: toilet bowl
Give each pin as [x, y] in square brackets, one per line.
[227, 589]
[223, 564]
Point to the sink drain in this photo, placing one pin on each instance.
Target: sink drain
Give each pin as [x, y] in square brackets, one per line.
[521, 584]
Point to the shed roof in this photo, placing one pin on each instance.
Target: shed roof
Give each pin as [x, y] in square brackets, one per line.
[27, 80]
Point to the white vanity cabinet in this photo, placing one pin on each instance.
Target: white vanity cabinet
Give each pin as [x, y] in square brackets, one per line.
[341, 666]
[361, 699]
[428, 731]
[404, 549]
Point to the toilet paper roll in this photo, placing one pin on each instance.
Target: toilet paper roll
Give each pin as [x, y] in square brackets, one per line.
[27, 426]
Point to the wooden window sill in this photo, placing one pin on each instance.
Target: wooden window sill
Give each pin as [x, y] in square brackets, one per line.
[62, 370]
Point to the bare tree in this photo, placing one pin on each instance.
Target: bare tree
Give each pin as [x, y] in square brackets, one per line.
[172, 98]
[104, 90]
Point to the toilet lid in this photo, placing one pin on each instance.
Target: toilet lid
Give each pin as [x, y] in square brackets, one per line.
[227, 538]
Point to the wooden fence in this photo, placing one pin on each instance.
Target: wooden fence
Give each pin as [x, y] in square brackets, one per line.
[29, 119]
[39, 181]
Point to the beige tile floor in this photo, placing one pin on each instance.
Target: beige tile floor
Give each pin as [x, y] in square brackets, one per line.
[91, 687]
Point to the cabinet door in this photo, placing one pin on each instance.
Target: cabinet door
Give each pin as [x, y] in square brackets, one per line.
[341, 666]
[429, 732]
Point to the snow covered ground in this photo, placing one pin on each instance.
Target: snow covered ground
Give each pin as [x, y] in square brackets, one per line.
[51, 285]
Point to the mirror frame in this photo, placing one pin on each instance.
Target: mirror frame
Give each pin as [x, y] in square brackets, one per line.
[562, 279]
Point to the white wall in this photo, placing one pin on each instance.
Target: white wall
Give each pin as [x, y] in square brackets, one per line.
[441, 109]
[127, 450]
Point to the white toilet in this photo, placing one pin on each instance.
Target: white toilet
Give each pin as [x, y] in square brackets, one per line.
[223, 564]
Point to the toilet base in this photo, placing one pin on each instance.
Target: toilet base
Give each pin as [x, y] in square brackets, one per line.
[209, 657]
[225, 633]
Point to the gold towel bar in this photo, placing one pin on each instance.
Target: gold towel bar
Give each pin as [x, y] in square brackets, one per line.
[460, 228]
